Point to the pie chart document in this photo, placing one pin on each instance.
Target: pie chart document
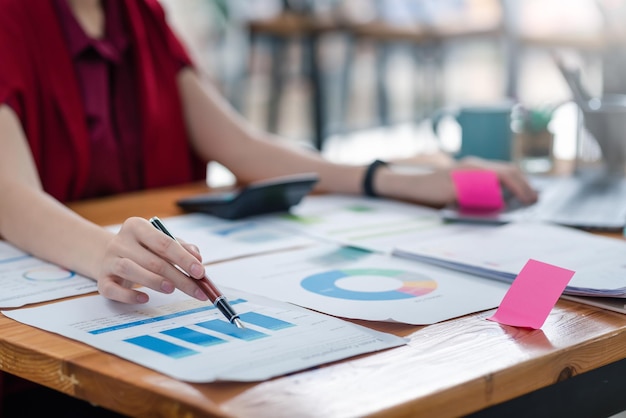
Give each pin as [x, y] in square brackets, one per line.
[26, 279]
[358, 284]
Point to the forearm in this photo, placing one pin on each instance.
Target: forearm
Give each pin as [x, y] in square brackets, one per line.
[40, 225]
[221, 134]
[269, 158]
[34, 221]
[431, 187]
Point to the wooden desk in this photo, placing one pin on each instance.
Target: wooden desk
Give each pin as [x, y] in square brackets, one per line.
[452, 368]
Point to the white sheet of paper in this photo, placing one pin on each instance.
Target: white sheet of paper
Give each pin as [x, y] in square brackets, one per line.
[353, 283]
[501, 252]
[372, 223]
[191, 340]
[222, 239]
[25, 279]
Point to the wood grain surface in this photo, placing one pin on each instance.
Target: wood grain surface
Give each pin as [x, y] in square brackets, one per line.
[451, 368]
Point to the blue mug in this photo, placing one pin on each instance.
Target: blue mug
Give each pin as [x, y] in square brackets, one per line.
[485, 130]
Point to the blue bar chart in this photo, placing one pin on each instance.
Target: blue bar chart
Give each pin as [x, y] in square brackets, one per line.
[219, 332]
[194, 337]
[161, 346]
[191, 340]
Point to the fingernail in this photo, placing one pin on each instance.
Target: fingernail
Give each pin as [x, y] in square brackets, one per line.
[167, 287]
[197, 270]
[141, 298]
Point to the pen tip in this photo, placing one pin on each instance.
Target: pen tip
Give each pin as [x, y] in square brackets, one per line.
[238, 323]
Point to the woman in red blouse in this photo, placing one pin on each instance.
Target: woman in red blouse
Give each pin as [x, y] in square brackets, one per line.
[99, 98]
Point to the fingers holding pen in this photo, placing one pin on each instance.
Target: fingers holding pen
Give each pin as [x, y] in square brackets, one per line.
[194, 250]
[125, 279]
[176, 253]
[141, 255]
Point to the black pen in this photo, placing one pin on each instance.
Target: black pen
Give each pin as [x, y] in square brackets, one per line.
[213, 293]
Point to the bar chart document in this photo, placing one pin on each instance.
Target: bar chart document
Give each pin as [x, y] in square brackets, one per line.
[25, 279]
[190, 340]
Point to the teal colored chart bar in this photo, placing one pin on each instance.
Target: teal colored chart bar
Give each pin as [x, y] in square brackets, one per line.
[265, 321]
[194, 337]
[227, 328]
[161, 346]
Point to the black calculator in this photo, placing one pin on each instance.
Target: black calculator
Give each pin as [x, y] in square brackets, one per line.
[266, 196]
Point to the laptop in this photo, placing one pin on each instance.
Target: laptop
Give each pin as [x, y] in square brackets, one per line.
[593, 197]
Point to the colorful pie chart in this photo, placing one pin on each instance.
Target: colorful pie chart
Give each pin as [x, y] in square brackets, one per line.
[369, 284]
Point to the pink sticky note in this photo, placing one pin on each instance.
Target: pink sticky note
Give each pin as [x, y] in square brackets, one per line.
[478, 189]
[532, 295]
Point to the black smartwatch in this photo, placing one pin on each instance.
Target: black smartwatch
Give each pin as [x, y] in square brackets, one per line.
[368, 179]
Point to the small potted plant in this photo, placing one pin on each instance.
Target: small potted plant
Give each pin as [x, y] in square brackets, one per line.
[533, 137]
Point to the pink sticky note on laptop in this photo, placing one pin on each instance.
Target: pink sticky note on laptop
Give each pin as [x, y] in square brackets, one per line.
[478, 189]
[532, 295]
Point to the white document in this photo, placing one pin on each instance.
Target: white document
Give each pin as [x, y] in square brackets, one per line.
[354, 283]
[501, 252]
[221, 239]
[25, 279]
[192, 341]
[372, 223]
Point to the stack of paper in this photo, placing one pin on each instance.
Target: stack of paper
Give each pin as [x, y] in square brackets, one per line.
[370, 223]
[501, 252]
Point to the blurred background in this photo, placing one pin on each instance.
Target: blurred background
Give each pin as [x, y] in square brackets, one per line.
[361, 79]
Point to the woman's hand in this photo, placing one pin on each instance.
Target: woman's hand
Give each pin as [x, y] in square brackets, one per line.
[141, 255]
[436, 188]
